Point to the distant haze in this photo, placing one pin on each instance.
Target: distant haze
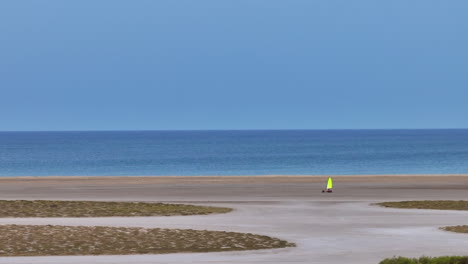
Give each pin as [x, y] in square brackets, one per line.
[234, 64]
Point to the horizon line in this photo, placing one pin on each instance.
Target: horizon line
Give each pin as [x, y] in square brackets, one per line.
[250, 129]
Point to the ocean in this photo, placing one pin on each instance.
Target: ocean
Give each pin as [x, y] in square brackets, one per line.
[255, 152]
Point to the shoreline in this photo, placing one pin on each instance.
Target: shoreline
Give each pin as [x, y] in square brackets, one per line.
[232, 188]
[394, 178]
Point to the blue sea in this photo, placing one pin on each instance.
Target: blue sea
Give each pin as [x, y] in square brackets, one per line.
[260, 152]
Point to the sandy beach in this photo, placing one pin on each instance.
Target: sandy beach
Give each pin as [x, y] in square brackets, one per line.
[327, 228]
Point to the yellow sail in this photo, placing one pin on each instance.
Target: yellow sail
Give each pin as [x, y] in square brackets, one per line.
[330, 183]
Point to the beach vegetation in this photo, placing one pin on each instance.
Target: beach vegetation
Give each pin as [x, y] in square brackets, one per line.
[457, 229]
[44, 208]
[427, 260]
[52, 240]
[434, 204]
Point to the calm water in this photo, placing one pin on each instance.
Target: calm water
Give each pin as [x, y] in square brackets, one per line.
[234, 152]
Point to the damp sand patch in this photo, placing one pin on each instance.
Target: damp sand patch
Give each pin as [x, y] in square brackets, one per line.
[48, 240]
[435, 205]
[42, 208]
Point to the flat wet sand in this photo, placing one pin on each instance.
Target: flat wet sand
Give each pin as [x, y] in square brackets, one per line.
[327, 228]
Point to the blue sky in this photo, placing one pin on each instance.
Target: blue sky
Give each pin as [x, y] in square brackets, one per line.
[238, 64]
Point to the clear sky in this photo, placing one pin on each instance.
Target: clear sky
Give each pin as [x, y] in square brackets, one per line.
[233, 64]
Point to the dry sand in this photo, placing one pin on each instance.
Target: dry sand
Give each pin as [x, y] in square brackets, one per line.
[328, 228]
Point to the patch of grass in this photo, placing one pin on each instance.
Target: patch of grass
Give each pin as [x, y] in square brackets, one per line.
[427, 260]
[47, 240]
[41, 208]
[437, 204]
[458, 229]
